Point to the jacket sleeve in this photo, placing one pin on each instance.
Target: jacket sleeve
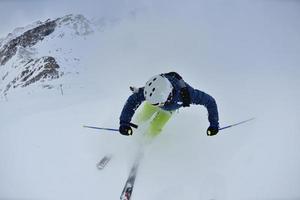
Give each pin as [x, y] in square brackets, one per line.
[201, 98]
[132, 103]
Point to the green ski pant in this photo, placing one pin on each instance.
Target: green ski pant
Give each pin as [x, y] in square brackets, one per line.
[159, 118]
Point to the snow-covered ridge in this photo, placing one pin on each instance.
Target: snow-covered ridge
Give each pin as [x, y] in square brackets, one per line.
[27, 39]
[17, 32]
[39, 53]
[77, 23]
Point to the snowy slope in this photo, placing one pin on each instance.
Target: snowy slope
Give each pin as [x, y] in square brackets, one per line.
[46, 154]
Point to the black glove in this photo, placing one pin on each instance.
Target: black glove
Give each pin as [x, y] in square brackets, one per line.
[125, 129]
[212, 130]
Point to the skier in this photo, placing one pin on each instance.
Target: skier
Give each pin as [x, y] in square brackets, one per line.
[163, 94]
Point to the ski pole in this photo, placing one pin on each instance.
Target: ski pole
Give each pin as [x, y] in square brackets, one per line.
[109, 129]
[229, 126]
[100, 128]
[135, 126]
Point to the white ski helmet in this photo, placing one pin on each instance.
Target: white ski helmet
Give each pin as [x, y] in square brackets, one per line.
[157, 90]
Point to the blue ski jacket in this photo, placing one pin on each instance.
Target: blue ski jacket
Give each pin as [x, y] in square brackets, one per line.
[196, 97]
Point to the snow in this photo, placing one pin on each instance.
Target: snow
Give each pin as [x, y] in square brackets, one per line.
[242, 53]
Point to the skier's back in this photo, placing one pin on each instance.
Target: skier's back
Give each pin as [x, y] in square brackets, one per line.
[163, 94]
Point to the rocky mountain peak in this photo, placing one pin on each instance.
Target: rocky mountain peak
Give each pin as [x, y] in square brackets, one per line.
[77, 23]
[23, 53]
[27, 39]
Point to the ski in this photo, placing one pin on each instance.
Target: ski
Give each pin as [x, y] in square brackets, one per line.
[128, 188]
[103, 162]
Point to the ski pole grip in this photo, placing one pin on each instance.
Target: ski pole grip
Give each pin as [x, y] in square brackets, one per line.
[133, 125]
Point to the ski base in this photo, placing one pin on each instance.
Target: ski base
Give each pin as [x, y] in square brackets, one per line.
[128, 188]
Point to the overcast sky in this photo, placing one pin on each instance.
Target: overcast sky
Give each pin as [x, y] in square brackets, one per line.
[16, 13]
